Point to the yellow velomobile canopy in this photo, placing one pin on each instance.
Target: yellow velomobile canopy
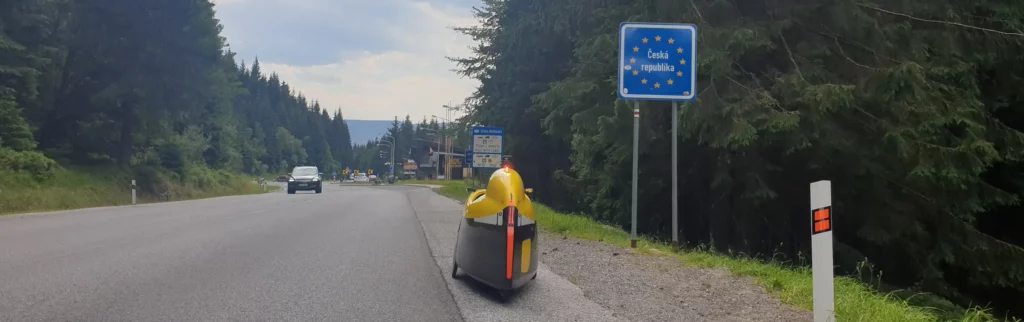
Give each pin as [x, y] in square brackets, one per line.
[504, 188]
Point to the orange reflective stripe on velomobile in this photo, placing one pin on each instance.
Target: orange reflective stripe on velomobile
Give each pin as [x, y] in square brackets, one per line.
[510, 248]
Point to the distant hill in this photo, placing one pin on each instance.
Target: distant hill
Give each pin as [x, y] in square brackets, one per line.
[365, 130]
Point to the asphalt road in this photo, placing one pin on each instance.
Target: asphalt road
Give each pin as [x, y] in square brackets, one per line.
[349, 254]
[353, 253]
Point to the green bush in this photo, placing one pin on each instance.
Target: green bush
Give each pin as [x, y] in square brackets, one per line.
[31, 162]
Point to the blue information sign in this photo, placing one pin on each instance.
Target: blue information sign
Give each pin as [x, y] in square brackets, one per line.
[657, 61]
[488, 145]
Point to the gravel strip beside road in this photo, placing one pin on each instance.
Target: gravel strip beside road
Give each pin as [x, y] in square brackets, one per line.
[660, 288]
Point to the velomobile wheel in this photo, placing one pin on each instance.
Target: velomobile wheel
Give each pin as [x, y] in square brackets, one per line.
[455, 268]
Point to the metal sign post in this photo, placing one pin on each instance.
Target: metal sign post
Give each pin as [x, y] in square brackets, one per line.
[636, 168]
[472, 168]
[657, 62]
[821, 252]
[675, 173]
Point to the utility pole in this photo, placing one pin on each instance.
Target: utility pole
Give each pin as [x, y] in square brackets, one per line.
[392, 144]
[448, 160]
[437, 166]
[449, 138]
[446, 146]
[447, 134]
[443, 135]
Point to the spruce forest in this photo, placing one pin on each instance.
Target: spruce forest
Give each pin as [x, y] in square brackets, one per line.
[148, 86]
[913, 109]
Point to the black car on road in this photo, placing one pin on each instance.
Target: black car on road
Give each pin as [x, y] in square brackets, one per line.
[305, 178]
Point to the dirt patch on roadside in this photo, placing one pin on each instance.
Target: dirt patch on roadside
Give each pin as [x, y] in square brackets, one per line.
[659, 288]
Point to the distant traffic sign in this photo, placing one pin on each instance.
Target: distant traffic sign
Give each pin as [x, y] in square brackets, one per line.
[486, 160]
[488, 146]
[657, 61]
[488, 139]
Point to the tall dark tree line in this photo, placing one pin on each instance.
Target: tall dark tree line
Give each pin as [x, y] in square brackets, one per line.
[912, 108]
[147, 83]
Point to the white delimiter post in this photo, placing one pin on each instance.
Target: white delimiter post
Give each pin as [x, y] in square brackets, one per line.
[821, 251]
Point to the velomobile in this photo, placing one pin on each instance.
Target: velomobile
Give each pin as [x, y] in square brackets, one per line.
[497, 236]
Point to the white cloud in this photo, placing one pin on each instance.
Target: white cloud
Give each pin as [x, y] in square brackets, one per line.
[415, 79]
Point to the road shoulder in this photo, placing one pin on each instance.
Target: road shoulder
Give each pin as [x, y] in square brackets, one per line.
[632, 286]
[548, 298]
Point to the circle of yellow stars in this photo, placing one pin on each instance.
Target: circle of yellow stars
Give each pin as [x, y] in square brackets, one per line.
[658, 39]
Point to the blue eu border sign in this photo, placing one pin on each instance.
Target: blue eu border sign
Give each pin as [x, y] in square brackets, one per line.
[657, 61]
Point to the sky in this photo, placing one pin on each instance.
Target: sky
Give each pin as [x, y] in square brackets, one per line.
[374, 59]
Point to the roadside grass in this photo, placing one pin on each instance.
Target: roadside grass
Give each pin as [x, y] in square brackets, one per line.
[75, 188]
[854, 300]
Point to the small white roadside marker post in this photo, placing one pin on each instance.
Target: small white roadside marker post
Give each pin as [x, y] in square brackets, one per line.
[821, 251]
[133, 191]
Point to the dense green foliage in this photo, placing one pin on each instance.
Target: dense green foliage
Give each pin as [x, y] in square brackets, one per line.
[150, 85]
[912, 108]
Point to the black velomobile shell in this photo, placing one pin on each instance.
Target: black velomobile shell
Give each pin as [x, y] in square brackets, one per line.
[497, 238]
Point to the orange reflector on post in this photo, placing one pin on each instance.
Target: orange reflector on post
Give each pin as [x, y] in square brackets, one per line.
[822, 220]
